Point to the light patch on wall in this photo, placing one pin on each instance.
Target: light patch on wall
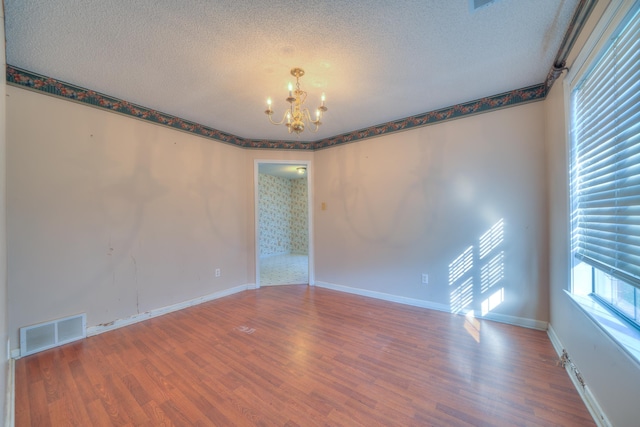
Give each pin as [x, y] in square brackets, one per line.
[475, 272]
[492, 238]
[461, 296]
[493, 301]
[462, 293]
[462, 264]
[492, 272]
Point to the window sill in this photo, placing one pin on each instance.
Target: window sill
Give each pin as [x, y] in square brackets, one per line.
[625, 335]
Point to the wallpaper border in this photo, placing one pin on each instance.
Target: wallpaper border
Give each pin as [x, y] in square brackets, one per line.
[37, 82]
[482, 105]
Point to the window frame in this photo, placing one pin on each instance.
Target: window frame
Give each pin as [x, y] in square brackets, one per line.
[614, 322]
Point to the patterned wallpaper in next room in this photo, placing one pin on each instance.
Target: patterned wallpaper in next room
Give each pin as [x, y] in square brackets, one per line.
[299, 217]
[282, 205]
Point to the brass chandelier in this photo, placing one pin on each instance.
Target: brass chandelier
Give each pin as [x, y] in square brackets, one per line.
[297, 116]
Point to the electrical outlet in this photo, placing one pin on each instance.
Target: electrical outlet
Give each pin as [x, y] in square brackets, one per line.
[218, 272]
[425, 278]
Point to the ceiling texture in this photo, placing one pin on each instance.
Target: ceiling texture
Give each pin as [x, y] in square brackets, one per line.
[214, 63]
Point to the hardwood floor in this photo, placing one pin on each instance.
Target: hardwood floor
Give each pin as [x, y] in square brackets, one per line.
[301, 356]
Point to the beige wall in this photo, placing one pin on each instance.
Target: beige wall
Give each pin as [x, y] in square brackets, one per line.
[410, 203]
[612, 377]
[3, 240]
[114, 216]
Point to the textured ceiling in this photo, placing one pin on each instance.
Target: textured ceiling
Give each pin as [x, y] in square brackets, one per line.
[216, 62]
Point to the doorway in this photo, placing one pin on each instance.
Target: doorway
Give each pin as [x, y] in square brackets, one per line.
[283, 218]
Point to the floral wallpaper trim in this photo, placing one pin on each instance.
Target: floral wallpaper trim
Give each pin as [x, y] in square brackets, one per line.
[27, 79]
[529, 94]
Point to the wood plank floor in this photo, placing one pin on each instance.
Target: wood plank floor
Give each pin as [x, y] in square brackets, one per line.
[301, 356]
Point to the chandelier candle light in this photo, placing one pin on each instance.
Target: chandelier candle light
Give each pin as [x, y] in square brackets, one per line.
[296, 116]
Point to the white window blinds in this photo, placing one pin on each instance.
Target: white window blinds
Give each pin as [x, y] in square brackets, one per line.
[606, 159]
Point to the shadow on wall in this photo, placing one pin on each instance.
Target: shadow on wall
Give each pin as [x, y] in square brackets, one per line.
[219, 204]
[135, 192]
[123, 206]
[361, 179]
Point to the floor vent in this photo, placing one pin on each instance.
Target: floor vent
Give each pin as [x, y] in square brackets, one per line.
[47, 335]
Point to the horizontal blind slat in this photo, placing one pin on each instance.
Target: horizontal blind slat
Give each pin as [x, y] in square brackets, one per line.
[605, 181]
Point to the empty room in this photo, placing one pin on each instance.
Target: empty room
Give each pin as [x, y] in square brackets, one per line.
[414, 213]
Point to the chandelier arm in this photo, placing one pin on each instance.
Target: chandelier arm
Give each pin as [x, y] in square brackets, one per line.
[284, 117]
[316, 126]
[308, 116]
[316, 123]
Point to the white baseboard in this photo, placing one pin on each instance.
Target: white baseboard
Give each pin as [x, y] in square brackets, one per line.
[555, 341]
[511, 320]
[594, 408]
[383, 296]
[119, 323]
[10, 397]
[517, 321]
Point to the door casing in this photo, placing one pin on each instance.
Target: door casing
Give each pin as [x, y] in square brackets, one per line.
[308, 165]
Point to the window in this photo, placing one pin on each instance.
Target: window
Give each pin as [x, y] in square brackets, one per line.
[605, 173]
